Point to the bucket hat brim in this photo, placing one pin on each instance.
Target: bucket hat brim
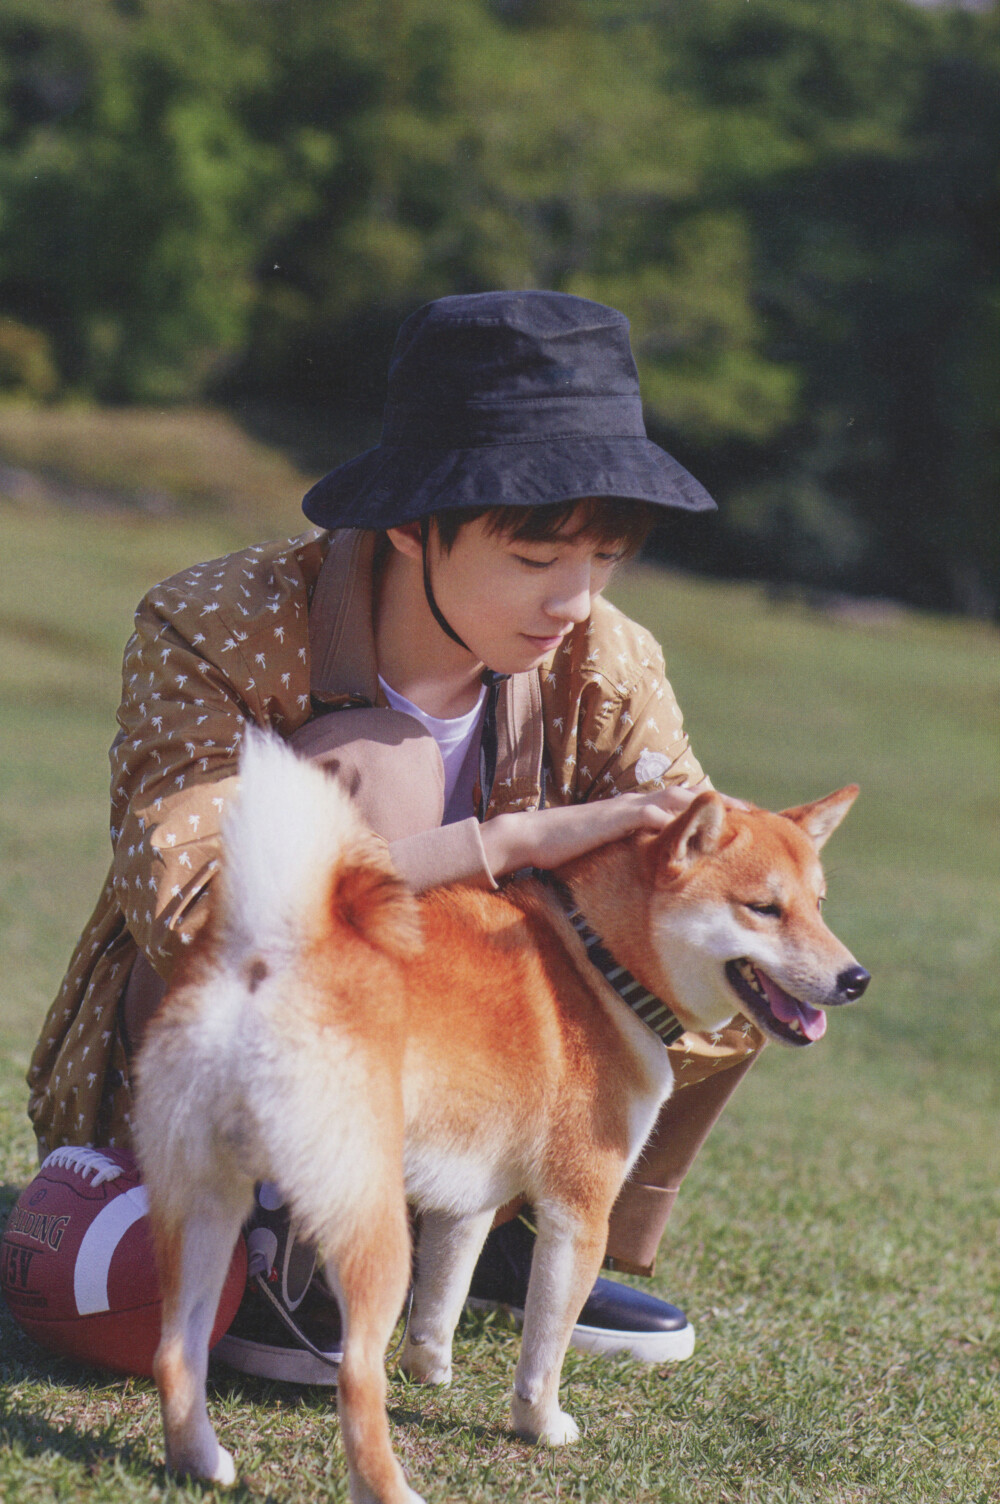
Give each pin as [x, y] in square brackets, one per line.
[394, 484]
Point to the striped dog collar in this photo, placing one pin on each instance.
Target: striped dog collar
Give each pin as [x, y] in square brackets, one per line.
[645, 1005]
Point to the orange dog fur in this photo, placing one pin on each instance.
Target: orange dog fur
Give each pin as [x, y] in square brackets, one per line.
[363, 1047]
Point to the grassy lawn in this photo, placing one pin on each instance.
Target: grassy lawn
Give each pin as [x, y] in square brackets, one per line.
[836, 1245]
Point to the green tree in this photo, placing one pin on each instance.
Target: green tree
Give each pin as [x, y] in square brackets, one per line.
[461, 148]
[867, 174]
[130, 194]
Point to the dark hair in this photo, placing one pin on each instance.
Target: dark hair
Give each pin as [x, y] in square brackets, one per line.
[602, 519]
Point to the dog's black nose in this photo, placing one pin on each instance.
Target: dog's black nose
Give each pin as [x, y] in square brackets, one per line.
[853, 982]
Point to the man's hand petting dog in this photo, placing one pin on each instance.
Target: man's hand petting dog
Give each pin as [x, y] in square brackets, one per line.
[549, 838]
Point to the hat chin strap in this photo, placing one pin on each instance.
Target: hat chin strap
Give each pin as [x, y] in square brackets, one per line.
[436, 612]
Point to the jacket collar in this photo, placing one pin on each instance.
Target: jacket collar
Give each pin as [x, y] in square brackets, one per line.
[344, 669]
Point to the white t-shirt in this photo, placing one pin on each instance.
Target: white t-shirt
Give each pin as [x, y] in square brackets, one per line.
[458, 742]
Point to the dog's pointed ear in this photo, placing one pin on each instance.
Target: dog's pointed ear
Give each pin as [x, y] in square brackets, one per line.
[820, 819]
[692, 835]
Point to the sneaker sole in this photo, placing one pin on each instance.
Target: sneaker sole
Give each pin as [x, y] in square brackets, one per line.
[288, 1365]
[647, 1347]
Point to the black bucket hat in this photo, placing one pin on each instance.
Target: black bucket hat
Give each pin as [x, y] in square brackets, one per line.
[506, 399]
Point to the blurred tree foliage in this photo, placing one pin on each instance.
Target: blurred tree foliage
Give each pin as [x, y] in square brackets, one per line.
[795, 203]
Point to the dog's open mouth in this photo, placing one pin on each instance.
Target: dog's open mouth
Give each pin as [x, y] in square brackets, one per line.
[784, 1017]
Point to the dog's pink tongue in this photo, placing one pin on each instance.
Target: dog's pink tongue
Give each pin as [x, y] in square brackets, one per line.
[790, 1010]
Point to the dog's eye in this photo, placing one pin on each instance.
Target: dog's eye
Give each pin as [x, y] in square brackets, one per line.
[769, 910]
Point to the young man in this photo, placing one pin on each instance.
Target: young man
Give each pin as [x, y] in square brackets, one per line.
[443, 644]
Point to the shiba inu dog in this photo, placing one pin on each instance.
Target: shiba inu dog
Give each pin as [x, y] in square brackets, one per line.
[363, 1047]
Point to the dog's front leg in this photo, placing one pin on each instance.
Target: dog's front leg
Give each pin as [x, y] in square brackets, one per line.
[567, 1256]
[446, 1256]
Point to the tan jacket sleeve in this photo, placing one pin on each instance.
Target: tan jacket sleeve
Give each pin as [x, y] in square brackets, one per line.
[449, 854]
[212, 649]
[348, 744]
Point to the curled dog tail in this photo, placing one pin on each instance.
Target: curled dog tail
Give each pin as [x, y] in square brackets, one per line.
[299, 863]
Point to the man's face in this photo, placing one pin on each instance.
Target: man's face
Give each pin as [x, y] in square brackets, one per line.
[513, 601]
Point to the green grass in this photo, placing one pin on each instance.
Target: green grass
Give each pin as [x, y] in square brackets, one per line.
[836, 1244]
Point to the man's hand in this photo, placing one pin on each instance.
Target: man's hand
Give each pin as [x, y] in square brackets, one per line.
[548, 838]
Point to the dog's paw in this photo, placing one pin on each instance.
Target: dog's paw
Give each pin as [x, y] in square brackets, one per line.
[556, 1430]
[560, 1432]
[225, 1469]
[426, 1364]
[428, 1373]
[360, 1493]
[210, 1462]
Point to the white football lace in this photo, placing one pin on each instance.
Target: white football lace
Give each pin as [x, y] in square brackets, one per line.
[84, 1162]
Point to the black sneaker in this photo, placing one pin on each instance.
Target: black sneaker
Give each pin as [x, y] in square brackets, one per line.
[288, 1324]
[273, 1250]
[615, 1319]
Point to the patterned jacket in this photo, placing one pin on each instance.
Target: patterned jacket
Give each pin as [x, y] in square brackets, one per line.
[260, 636]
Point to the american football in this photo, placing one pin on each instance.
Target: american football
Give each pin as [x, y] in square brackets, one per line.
[76, 1262]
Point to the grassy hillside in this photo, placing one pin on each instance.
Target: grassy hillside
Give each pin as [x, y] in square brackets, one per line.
[836, 1243]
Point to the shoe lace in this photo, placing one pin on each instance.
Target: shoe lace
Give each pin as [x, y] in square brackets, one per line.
[292, 1325]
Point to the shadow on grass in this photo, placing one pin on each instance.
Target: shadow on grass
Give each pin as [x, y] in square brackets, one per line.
[231, 1388]
[26, 1423]
[28, 1429]
[445, 1425]
[35, 1435]
[47, 1405]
